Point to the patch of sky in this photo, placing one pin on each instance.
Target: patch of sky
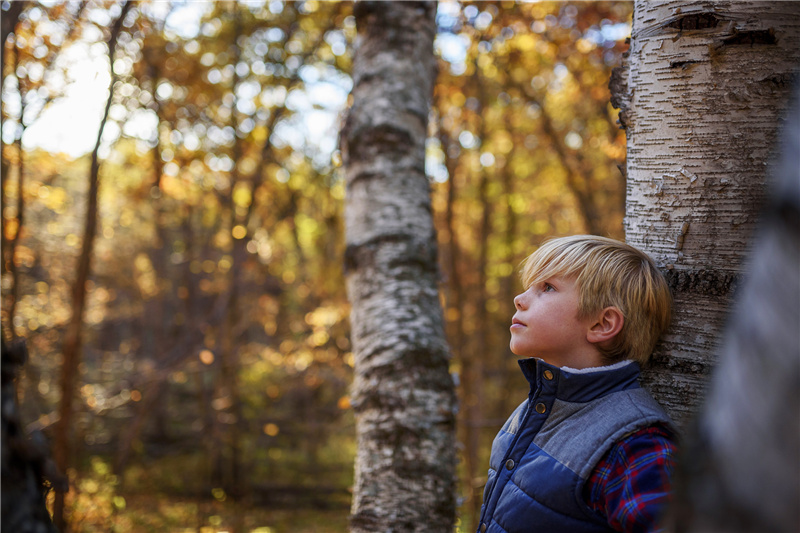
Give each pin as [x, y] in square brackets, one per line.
[288, 133]
[275, 7]
[245, 106]
[608, 33]
[297, 100]
[470, 12]
[254, 5]
[434, 161]
[453, 49]
[467, 140]
[447, 14]
[483, 20]
[182, 17]
[247, 90]
[309, 73]
[273, 35]
[328, 95]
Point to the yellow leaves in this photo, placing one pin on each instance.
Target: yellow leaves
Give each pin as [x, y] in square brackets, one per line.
[525, 42]
[259, 134]
[241, 195]
[319, 338]
[126, 218]
[271, 429]
[307, 229]
[520, 75]
[173, 187]
[503, 142]
[457, 99]
[54, 198]
[486, 64]
[614, 151]
[142, 263]
[10, 228]
[145, 276]
[239, 232]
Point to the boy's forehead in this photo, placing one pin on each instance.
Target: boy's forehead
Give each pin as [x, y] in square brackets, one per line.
[550, 270]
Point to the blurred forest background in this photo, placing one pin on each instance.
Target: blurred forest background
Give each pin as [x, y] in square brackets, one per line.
[209, 383]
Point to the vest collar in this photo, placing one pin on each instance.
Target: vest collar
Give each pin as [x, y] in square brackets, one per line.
[582, 385]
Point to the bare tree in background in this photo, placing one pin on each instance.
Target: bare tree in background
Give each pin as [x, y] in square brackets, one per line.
[71, 350]
[403, 394]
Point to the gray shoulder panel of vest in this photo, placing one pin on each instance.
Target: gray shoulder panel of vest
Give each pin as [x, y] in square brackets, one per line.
[577, 435]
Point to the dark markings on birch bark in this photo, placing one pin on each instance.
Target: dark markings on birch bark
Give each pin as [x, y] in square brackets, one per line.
[751, 37]
[703, 281]
[694, 21]
[417, 253]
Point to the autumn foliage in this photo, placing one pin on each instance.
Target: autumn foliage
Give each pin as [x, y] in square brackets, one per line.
[212, 389]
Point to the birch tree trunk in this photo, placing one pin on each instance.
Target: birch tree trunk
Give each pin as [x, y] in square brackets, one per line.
[701, 96]
[741, 468]
[403, 394]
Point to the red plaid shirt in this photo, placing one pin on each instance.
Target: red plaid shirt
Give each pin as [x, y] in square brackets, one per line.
[630, 486]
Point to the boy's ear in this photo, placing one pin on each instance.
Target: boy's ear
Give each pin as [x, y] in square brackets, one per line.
[608, 324]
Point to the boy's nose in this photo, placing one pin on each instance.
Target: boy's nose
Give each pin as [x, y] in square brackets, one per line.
[518, 301]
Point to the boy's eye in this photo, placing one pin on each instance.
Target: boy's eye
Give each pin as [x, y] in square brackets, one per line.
[548, 288]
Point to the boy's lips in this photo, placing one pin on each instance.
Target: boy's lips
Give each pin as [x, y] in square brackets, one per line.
[516, 322]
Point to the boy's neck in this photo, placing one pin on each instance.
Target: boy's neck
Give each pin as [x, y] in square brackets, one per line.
[578, 360]
[611, 366]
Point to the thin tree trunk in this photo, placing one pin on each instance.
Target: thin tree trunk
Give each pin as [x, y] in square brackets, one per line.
[8, 22]
[229, 364]
[10, 242]
[403, 395]
[72, 338]
[703, 94]
[455, 308]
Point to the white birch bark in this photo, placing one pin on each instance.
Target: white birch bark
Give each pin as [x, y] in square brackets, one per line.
[702, 96]
[403, 394]
[741, 467]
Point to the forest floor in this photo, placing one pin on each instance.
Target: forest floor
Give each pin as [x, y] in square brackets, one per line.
[145, 513]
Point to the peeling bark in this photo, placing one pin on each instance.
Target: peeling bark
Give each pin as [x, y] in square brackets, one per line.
[705, 89]
[403, 395]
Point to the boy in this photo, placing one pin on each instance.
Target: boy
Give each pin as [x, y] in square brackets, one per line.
[589, 450]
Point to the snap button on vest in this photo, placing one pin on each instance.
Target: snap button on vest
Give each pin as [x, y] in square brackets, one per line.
[541, 408]
[483, 528]
[548, 375]
[510, 464]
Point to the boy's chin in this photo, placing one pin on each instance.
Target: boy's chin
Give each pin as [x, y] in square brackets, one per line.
[519, 353]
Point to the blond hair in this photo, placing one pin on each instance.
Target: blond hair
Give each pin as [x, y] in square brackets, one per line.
[609, 273]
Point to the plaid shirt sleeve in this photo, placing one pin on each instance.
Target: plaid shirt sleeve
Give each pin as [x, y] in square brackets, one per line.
[630, 486]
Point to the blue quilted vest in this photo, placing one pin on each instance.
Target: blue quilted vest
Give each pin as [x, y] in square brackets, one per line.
[549, 447]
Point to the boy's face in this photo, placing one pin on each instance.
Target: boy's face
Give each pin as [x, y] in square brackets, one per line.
[546, 325]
